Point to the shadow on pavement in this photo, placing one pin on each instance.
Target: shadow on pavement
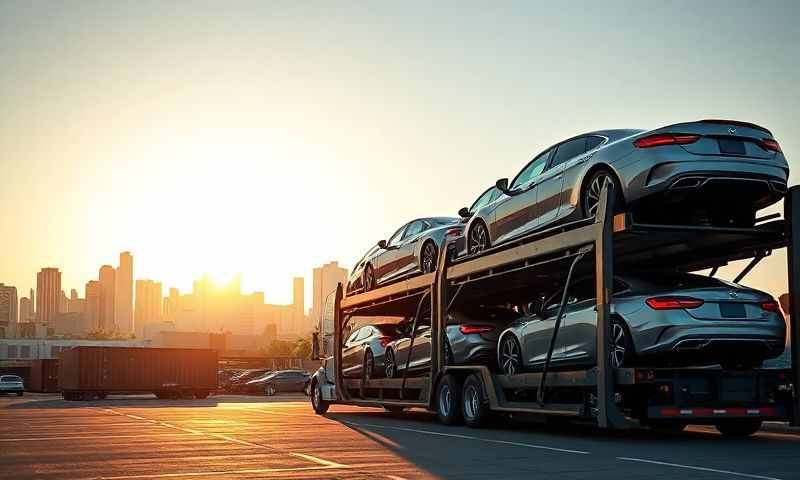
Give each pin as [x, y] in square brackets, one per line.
[143, 401]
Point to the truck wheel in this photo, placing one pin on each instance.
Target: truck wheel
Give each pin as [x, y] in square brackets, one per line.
[738, 428]
[201, 394]
[319, 404]
[448, 400]
[475, 404]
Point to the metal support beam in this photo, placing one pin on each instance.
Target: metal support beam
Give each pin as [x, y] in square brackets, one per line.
[608, 416]
[791, 205]
[341, 392]
[759, 256]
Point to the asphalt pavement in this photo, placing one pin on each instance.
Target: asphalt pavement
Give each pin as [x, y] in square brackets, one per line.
[240, 437]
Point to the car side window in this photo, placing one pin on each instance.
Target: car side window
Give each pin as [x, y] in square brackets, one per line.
[569, 150]
[532, 170]
[593, 141]
[415, 228]
[398, 235]
[353, 336]
[363, 333]
[483, 200]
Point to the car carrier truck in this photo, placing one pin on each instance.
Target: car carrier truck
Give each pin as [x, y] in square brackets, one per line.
[735, 401]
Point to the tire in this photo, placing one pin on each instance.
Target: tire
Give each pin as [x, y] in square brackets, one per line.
[307, 390]
[448, 400]
[593, 187]
[621, 349]
[269, 390]
[475, 405]
[390, 365]
[369, 278]
[201, 394]
[368, 367]
[478, 238]
[510, 358]
[429, 257]
[394, 408]
[738, 428]
[317, 402]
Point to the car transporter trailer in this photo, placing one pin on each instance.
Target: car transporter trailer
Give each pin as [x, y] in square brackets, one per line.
[609, 397]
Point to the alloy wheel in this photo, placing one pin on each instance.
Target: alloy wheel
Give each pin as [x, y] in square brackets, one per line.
[369, 278]
[429, 258]
[592, 198]
[478, 238]
[471, 401]
[445, 400]
[510, 356]
[618, 345]
[390, 367]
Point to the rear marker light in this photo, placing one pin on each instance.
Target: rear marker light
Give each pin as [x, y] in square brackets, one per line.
[470, 329]
[660, 139]
[673, 303]
[385, 341]
[771, 144]
[771, 306]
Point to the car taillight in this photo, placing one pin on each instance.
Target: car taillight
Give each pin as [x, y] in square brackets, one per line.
[454, 232]
[660, 139]
[385, 341]
[469, 329]
[771, 306]
[771, 144]
[673, 303]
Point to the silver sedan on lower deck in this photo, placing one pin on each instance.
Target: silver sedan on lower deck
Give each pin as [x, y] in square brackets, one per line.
[658, 319]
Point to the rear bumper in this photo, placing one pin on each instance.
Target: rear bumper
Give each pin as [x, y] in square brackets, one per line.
[707, 345]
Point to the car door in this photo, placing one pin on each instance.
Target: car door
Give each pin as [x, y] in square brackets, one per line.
[351, 360]
[421, 353]
[537, 332]
[551, 182]
[515, 214]
[385, 262]
[573, 171]
[406, 262]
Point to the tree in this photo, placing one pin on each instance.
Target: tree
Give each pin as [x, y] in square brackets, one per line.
[302, 349]
[280, 348]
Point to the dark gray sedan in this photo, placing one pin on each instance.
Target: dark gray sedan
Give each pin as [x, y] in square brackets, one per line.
[413, 248]
[363, 350]
[658, 319]
[709, 172]
[471, 339]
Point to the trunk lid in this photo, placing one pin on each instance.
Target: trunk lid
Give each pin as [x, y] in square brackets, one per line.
[728, 304]
[725, 138]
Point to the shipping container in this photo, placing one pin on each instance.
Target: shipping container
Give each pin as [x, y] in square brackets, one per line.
[93, 372]
[43, 376]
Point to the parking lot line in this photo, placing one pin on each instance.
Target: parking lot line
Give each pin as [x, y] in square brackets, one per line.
[84, 437]
[470, 437]
[249, 471]
[702, 469]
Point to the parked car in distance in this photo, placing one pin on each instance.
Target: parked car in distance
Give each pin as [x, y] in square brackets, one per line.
[708, 172]
[363, 352]
[237, 382]
[413, 248]
[659, 320]
[11, 384]
[283, 381]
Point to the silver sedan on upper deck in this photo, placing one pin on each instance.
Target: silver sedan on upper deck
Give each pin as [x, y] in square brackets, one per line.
[709, 172]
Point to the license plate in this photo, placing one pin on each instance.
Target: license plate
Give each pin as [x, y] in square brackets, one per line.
[732, 147]
[731, 310]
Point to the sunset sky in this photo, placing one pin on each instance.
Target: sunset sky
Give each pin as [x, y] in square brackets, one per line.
[270, 137]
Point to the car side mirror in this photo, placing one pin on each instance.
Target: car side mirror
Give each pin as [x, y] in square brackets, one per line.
[464, 212]
[502, 185]
[382, 244]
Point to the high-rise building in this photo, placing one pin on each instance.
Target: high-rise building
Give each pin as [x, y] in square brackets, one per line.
[93, 305]
[74, 303]
[298, 303]
[107, 279]
[148, 305]
[123, 302]
[26, 310]
[172, 304]
[8, 311]
[63, 302]
[326, 278]
[48, 291]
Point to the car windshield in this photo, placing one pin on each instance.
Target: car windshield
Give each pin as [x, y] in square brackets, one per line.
[10, 378]
[439, 221]
[679, 281]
